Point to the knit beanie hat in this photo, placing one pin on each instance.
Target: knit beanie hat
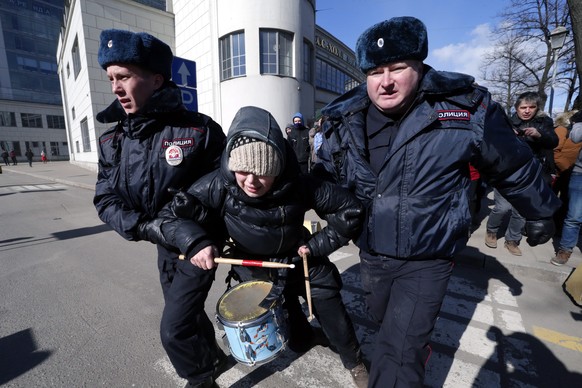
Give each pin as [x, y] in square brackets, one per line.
[254, 156]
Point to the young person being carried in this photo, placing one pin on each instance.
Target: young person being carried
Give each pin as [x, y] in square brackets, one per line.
[260, 196]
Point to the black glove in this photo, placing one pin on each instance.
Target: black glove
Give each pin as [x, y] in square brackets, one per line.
[152, 231]
[539, 231]
[577, 117]
[185, 205]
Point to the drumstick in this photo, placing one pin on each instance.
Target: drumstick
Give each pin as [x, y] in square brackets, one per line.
[307, 287]
[248, 263]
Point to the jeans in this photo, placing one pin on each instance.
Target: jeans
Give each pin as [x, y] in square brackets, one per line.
[500, 209]
[571, 228]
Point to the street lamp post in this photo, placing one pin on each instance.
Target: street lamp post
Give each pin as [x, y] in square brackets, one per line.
[557, 38]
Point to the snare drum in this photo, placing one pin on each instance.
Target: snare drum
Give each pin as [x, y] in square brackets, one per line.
[254, 334]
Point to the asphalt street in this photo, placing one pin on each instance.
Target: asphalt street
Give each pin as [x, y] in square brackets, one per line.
[505, 321]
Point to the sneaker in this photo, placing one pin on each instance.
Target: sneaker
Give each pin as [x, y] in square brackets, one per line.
[221, 365]
[360, 375]
[513, 248]
[491, 240]
[561, 257]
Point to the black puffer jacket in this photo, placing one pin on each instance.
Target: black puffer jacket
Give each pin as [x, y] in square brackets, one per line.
[134, 176]
[417, 205]
[270, 226]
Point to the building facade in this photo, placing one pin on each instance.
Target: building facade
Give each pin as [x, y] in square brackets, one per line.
[31, 111]
[247, 52]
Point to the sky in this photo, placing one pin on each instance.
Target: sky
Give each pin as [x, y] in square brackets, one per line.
[458, 30]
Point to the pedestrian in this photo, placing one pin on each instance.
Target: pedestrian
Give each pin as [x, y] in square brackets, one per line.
[43, 157]
[155, 145]
[263, 200]
[298, 136]
[536, 129]
[573, 221]
[565, 156]
[403, 142]
[5, 157]
[29, 154]
[13, 157]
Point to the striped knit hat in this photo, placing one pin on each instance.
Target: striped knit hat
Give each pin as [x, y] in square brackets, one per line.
[254, 156]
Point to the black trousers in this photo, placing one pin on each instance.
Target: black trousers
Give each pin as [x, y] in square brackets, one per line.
[404, 297]
[186, 332]
[328, 306]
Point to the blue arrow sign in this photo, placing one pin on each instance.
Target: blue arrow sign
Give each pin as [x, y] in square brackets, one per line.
[184, 72]
[184, 75]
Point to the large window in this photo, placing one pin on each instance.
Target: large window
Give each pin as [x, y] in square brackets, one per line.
[307, 62]
[31, 120]
[331, 78]
[7, 119]
[85, 136]
[76, 57]
[55, 121]
[276, 52]
[232, 56]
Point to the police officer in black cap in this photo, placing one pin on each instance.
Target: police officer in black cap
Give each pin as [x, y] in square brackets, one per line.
[403, 142]
[156, 144]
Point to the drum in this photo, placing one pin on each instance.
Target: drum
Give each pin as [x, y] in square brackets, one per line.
[254, 334]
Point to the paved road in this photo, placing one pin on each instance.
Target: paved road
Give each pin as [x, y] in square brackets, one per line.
[505, 320]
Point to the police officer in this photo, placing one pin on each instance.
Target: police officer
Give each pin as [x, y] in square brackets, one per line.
[157, 144]
[402, 142]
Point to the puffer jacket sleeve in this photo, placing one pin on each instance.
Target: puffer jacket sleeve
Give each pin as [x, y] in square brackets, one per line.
[191, 235]
[110, 208]
[343, 212]
[510, 166]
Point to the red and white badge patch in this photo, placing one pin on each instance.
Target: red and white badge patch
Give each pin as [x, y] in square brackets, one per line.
[174, 155]
[454, 115]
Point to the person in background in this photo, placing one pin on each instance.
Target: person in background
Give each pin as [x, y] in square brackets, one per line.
[402, 142]
[565, 156]
[155, 145]
[299, 139]
[315, 139]
[13, 157]
[43, 157]
[536, 129]
[29, 154]
[5, 157]
[571, 227]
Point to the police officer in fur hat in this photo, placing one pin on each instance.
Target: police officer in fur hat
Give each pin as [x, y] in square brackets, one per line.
[402, 142]
[155, 145]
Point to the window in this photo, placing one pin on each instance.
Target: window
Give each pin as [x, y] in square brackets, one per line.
[55, 121]
[307, 62]
[85, 135]
[73, 112]
[7, 119]
[232, 56]
[68, 70]
[77, 146]
[76, 57]
[276, 52]
[31, 120]
[331, 78]
[55, 150]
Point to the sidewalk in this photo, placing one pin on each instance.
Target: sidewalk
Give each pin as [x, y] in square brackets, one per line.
[535, 261]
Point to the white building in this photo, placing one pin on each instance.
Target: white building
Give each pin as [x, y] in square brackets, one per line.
[247, 52]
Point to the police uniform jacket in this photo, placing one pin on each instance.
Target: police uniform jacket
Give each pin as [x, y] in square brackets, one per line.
[134, 173]
[417, 205]
[270, 226]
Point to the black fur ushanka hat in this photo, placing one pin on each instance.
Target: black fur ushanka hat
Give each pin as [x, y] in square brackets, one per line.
[392, 40]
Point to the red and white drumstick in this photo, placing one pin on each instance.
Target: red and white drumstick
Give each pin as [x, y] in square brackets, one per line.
[248, 263]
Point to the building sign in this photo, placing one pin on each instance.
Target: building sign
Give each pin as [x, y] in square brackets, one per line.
[335, 50]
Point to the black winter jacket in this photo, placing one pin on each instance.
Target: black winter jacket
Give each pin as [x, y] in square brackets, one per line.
[134, 175]
[270, 226]
[417, 206]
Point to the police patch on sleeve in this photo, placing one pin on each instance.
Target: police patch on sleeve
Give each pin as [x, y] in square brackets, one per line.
[174, 155]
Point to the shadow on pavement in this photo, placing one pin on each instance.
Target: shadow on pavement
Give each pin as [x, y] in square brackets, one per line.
[19, 354]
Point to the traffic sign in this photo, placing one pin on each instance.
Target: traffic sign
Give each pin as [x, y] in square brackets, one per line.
[184, 75]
